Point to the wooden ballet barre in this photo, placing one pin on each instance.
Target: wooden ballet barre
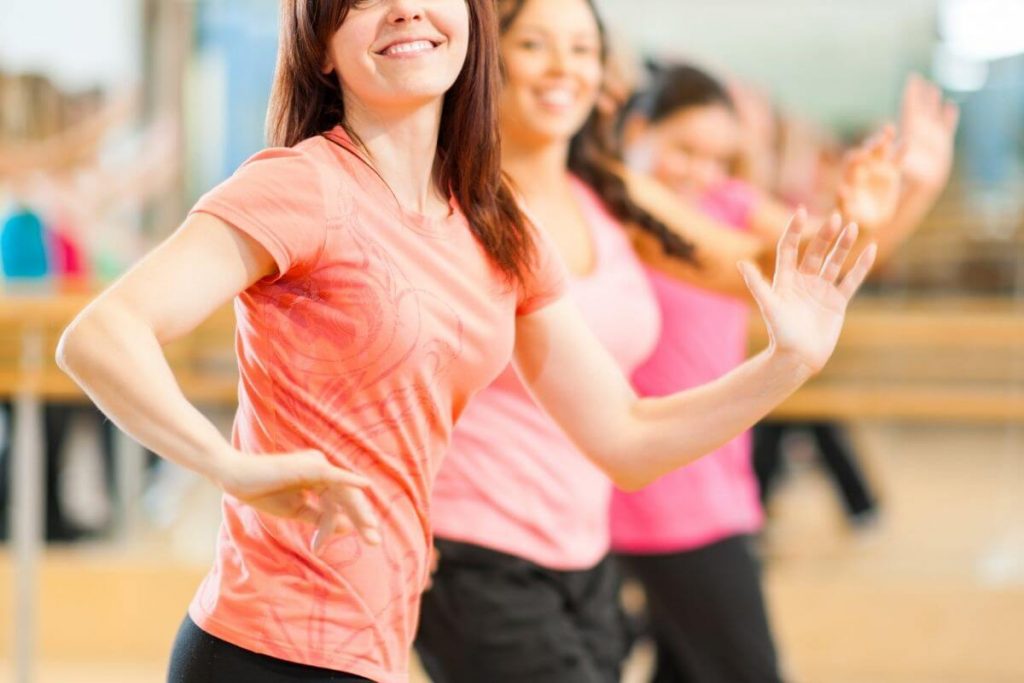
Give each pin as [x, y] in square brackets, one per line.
[203, 361]
[944, 360]
[897, 360]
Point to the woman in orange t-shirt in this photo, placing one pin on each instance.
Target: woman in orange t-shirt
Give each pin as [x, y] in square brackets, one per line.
[382, 274]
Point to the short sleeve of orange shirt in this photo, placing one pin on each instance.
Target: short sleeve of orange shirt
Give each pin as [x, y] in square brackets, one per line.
[277, 199]
[547, 279]
[377, 330]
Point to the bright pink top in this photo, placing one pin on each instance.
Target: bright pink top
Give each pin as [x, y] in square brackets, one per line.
[512, 481]
[703, 336]
[367, 344]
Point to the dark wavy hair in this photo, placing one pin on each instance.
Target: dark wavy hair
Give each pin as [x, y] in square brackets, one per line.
[306, 102]
[596, 145]
[675, 87]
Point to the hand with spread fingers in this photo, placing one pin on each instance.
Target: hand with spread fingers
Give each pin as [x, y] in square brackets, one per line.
[926, 135]
[805, 304]
[303, 485]
[869, 189]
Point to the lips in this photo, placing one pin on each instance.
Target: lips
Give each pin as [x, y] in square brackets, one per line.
[409, 46]
[557, 97]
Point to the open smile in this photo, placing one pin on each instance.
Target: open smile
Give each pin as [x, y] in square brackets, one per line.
[409, 48]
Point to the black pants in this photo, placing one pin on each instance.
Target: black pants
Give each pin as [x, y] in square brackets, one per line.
[496, 618]
[833, 446]
[198, 657]
[57, 418]
[707, 614]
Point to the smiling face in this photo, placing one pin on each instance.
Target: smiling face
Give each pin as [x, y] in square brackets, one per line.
[553, 66]
[693, 149]
[399, 53]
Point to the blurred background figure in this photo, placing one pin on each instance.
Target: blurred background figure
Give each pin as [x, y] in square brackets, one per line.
[115, 115]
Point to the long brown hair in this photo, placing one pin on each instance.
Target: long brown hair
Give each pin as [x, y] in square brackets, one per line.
[595, 147]
[305, 102]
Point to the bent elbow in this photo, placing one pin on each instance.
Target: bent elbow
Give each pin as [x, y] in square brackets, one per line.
[630, 482]
[81, 341]
[69, 347]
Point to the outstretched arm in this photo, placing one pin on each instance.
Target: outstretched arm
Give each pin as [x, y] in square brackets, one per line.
[637, 440]
[927, 133]
[717, 248]
[868, 196]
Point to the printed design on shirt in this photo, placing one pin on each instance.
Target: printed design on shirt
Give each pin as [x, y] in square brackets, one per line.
[341, 332]
[405, 578]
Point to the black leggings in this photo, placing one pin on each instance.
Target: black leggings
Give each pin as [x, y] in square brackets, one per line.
[835, 451]
[198, 657]
[491, 617]
[707, 614]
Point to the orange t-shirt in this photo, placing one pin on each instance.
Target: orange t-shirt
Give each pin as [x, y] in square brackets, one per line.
[379, 327]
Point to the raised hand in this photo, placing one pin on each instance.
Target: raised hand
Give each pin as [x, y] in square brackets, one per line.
[805, 304]
[926, 136]
[869, 187]
[306, 486]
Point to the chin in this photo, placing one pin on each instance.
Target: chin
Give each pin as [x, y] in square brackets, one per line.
[417, 89]
[558, 130]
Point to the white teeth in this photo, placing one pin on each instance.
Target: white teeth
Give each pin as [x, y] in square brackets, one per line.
[406, 48]
[557, 98]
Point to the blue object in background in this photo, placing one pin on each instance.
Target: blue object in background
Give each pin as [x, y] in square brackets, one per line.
[23, 245]
[243, 33]
[991, 127]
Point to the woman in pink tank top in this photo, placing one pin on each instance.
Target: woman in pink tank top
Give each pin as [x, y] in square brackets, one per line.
[383, 274]
[687, 536]
[524, 590]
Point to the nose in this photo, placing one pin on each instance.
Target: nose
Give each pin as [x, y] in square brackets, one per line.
[558, 59]
[405, 12]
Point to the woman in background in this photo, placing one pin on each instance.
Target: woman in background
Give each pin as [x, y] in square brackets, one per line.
[687, 536]
[524, 590]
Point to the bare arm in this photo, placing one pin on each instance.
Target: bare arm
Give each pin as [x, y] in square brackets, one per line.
[925, 157]
[718, 248]
[113, 351]
[868, 196]
[113, 348]
[921, 153]
[637, 440]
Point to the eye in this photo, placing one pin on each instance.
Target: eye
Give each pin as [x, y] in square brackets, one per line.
[584, 49]
[530, 44]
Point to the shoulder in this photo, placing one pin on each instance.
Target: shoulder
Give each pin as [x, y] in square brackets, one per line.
[315, 172]
[303, 161]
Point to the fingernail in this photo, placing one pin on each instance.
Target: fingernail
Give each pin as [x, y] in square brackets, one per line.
[373, 536]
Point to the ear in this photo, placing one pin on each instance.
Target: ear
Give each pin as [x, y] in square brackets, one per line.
[328, 64]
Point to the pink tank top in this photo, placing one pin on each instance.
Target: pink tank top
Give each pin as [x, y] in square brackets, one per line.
[704, 335]
[512, 481]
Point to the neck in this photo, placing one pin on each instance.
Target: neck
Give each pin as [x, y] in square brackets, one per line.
[403, 147]
[536, 168]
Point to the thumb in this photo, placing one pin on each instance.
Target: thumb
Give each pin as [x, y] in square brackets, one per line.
[756, 283]
[311, 468]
